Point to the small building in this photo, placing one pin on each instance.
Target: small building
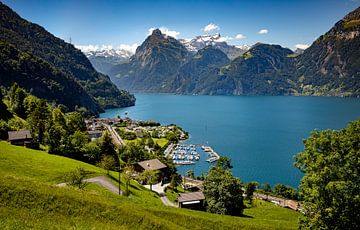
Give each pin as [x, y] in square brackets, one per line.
[21, 138]
[94, 134]
[191, 200]
[153, 164]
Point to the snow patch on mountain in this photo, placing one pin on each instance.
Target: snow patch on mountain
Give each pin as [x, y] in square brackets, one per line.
[216, 40]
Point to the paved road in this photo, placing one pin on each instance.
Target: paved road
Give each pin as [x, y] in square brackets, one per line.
[159, 189]
[102, 181]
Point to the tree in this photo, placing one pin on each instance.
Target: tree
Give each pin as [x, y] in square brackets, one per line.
[330, 187]
[16, 96]
[150, 177]
[38, 116]
[75, 122]
[224, 162]
[250, 188]
[128, 175]
[107, 147]
[175, 181]
[76, 178]
[108, 163]
[223, 193]
[4, 113]
[285, 191]
[134, 152]
[267, 189]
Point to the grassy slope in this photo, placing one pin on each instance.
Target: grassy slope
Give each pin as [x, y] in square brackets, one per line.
[29, 200]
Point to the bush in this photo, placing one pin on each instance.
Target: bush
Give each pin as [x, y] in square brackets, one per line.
[76, 178]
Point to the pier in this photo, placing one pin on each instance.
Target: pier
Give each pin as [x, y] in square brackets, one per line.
[213, 156]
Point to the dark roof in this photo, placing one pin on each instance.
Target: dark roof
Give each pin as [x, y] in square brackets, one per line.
[153, 164]
[19, 135]
[191, 196]
[94, 132]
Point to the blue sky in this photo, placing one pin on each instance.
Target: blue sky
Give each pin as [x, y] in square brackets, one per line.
[284, 22]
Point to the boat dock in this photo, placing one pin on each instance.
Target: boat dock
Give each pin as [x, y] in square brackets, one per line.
[213, 156]
[186, 154]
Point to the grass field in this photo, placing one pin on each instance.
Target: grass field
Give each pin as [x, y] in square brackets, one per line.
[29, 199]
[161, 141]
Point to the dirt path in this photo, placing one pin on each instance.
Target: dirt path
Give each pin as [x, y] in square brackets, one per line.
[102, 181]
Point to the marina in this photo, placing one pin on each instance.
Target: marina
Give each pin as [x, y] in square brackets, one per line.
[184, 154]
[187, 154]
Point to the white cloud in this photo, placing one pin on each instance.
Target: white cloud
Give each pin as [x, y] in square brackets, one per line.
[164, 30]
[225, 39]
[240, 36]
[263, 31]
[93, 48]
[302, 46]
[210, 27]
[129, 48]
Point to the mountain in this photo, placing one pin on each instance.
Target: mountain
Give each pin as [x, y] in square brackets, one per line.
[105, 58]
[154, 64]
[263, 70]
[191, 74]
[200, 42]
[54, 56]
[331, 65]
[41, 78]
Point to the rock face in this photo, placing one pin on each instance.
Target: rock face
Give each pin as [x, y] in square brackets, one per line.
[58, 58]
[153, 66]
[331, 65]
[191, 75]
[263, 70]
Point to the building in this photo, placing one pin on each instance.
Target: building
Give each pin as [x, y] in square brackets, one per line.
[153, 164]
[191, 200]
[94, 134]
[21, 138]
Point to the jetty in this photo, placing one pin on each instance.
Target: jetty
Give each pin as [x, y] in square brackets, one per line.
[213, 156]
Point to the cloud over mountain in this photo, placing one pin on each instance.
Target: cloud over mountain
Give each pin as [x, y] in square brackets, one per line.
[210, 27]
[263, 31]
[164, 30]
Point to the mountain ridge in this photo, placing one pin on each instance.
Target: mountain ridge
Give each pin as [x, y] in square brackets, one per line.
[32, 39]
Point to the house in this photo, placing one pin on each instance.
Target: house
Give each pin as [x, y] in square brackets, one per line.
[21, 138]
[191, 200]
[153, 164]
[94, 134]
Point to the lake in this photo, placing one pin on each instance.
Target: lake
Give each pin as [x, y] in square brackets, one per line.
[261, 134]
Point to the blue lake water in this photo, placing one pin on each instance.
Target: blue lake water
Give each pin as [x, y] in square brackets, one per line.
[261, 134]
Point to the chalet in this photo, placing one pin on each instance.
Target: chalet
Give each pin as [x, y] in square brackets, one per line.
[153, 164]
[22, 138]
[191, 200]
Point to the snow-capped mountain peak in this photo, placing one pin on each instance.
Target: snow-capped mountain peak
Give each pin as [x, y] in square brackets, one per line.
[216, 40]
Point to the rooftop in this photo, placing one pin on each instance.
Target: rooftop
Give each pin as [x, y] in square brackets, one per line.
[191, 196]
[153, 164]
[19, 135]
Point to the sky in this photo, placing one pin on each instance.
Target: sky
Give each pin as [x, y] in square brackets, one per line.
[289, 23]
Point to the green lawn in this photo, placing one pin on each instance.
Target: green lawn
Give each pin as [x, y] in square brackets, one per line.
[161, 141]
[29, 199]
